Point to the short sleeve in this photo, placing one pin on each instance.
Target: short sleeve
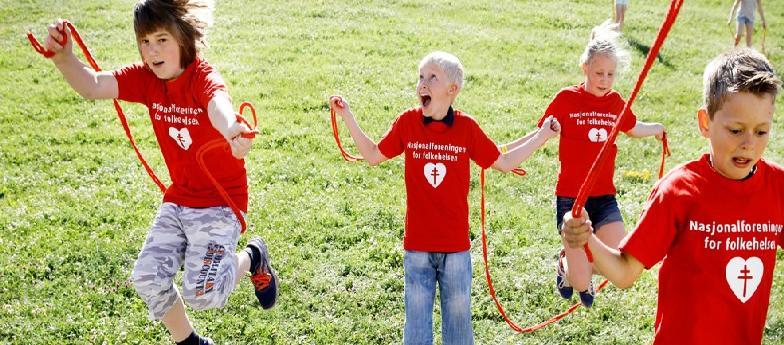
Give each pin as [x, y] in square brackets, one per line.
[132, 81]
[391, 144]
[483, 151]
[206, 82]
[629, 120]
[552, 109]
[651, 239]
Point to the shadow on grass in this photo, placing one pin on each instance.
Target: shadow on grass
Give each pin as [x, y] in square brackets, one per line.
[644, 49]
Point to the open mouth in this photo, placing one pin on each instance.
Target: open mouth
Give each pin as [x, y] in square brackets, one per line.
[425, 100]
[741, 162]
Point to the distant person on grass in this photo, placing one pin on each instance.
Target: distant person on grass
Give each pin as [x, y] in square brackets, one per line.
[745, 19]
[715, 223]
[620, 12]
[189, 105]
[587, 113]
[438, 142]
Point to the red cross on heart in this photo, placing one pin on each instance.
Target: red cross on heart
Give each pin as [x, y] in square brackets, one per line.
[182, 137]
[434, 173]
[597, 135]
[744, 276]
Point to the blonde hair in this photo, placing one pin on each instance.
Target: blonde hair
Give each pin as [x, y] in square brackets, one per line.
[605, 40]
[739, 70]
[449, 63]
[186, 20]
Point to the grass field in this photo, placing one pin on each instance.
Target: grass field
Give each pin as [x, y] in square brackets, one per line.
[75, 204]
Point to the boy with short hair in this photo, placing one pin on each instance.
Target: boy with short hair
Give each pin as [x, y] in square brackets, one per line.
[715, 222]
[438, 142]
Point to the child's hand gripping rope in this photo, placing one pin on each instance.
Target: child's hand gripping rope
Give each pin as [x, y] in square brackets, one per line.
[338, 105]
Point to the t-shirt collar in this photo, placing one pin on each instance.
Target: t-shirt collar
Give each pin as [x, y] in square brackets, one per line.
[182, 79]
[448, 120]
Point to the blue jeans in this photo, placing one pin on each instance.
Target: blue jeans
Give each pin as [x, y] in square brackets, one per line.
[452, 271]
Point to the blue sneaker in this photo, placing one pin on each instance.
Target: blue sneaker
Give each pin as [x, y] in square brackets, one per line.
[561, 283]
[264, 279]
[586, 297]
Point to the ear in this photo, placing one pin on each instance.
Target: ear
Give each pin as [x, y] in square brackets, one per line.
[703, 121]
[584, 66]
[453, 88]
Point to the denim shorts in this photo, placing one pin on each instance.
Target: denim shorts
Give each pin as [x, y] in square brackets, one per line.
[621, 2]
[745, 20]
[601, 210]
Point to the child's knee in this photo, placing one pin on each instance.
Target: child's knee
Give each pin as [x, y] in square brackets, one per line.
[158, 293]
[147, 282]
[457, 304]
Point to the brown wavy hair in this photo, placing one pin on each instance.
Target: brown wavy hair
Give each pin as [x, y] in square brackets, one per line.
[186, 20]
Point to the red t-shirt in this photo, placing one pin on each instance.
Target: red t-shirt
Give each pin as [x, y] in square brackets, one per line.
[718, 239]
[437, 177]
[178, 111]
[586, 122]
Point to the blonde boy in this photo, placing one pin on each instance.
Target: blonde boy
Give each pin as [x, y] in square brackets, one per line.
[439, 142]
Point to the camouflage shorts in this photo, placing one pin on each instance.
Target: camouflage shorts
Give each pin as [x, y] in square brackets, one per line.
[203, 240]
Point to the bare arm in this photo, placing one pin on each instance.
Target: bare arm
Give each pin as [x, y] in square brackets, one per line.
[83, 79]
[222, 117]
[762, 14]
[732, 11]
[525, 146]
[367, 148]
[519, 141]
[646, 129]
[620, 268]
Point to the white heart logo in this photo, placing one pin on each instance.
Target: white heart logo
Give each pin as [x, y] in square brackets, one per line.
[744, 276]
[597, 135]
[181, 137]
[434, 173]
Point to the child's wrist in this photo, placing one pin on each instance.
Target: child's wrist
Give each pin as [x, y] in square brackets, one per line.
[62, 57]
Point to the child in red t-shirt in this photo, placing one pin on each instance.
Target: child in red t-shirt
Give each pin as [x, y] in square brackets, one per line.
[587, 113]
[438, 142]
[189, 106]
[715, 223]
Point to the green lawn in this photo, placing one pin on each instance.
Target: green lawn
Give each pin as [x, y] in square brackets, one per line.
[75, 204]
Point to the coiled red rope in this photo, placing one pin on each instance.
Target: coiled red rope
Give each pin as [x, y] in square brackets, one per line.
[220, 143]
[590, 180]
[213, 144]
